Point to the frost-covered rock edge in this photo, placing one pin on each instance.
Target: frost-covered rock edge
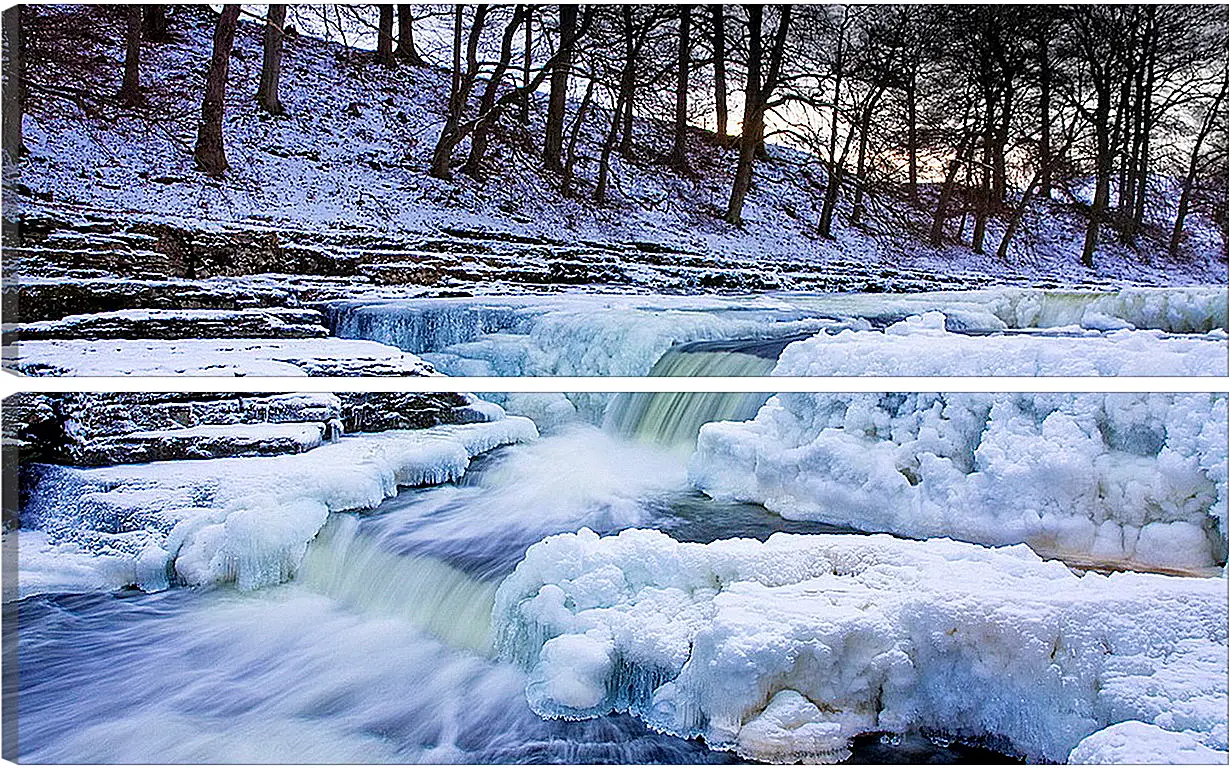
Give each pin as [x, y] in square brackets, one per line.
[242, 520]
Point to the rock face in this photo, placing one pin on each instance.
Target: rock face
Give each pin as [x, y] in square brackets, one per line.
[96, 429]
[180, 324]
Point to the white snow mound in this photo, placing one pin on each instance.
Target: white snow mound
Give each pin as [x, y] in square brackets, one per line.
[784, 650]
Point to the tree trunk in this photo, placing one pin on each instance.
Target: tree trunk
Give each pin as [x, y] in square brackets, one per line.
[1105, 167]
[911, 118]
[608, 146]
[757, 96]
[1192, 168]
[384, 39]
[405, 37]
[719, 86]
[155, 23]
[482, 130]
[451, 135]
[946, 192]
[130, 92]
[14, 85]
[751, 116]
[209, 152]
[528, 67]
[569, 165]
[271, 67]
[1046, 77]
[678, 155]
[557, 109]
[983, 203]
[864, 130]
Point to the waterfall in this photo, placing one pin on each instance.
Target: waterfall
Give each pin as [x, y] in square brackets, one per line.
[439, 599]
[674, 418]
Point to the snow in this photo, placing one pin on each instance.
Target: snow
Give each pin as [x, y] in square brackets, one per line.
[213, 357]
[243, 520]
[1136, 479]
[1139, 743]
[921, 346]
[784, 650]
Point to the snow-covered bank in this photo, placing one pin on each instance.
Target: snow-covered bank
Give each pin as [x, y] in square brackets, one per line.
[785, 650]
[212, 357]
[1118, 479]
[246, 520]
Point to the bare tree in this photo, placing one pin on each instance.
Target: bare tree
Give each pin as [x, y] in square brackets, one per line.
[1192, 170]
[553, 145]
[757, 95]
[481, 131]
[678, 154]
[14, 83]
[130, 92]
[462, 84]
[271, 66]
[209, 152]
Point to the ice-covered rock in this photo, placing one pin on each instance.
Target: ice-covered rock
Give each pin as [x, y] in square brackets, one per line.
[1132, 479]
[212, 357]
[276, 323]
[786, 649]
[246, 520]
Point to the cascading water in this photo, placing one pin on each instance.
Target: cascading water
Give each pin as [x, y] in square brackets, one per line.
[674, 418]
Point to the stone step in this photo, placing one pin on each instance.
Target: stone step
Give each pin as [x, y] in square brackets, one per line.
[177, 324]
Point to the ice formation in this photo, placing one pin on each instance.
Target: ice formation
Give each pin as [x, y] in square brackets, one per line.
[246, 520]
[921, 345]
[784, 650]
[1117, 478]
[589, 335]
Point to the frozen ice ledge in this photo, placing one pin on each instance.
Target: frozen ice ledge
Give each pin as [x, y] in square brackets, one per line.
[1135, 331]
[243, 520]
[784, 650]
[1113, 480]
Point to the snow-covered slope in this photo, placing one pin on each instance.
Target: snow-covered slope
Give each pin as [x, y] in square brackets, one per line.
[784, 650]
[353, 150]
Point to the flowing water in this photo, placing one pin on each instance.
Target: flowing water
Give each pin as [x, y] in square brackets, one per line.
[379, 650]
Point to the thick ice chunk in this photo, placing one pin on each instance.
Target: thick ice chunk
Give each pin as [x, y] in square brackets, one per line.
[786, 649]
[246, 520]
[1116, 479]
